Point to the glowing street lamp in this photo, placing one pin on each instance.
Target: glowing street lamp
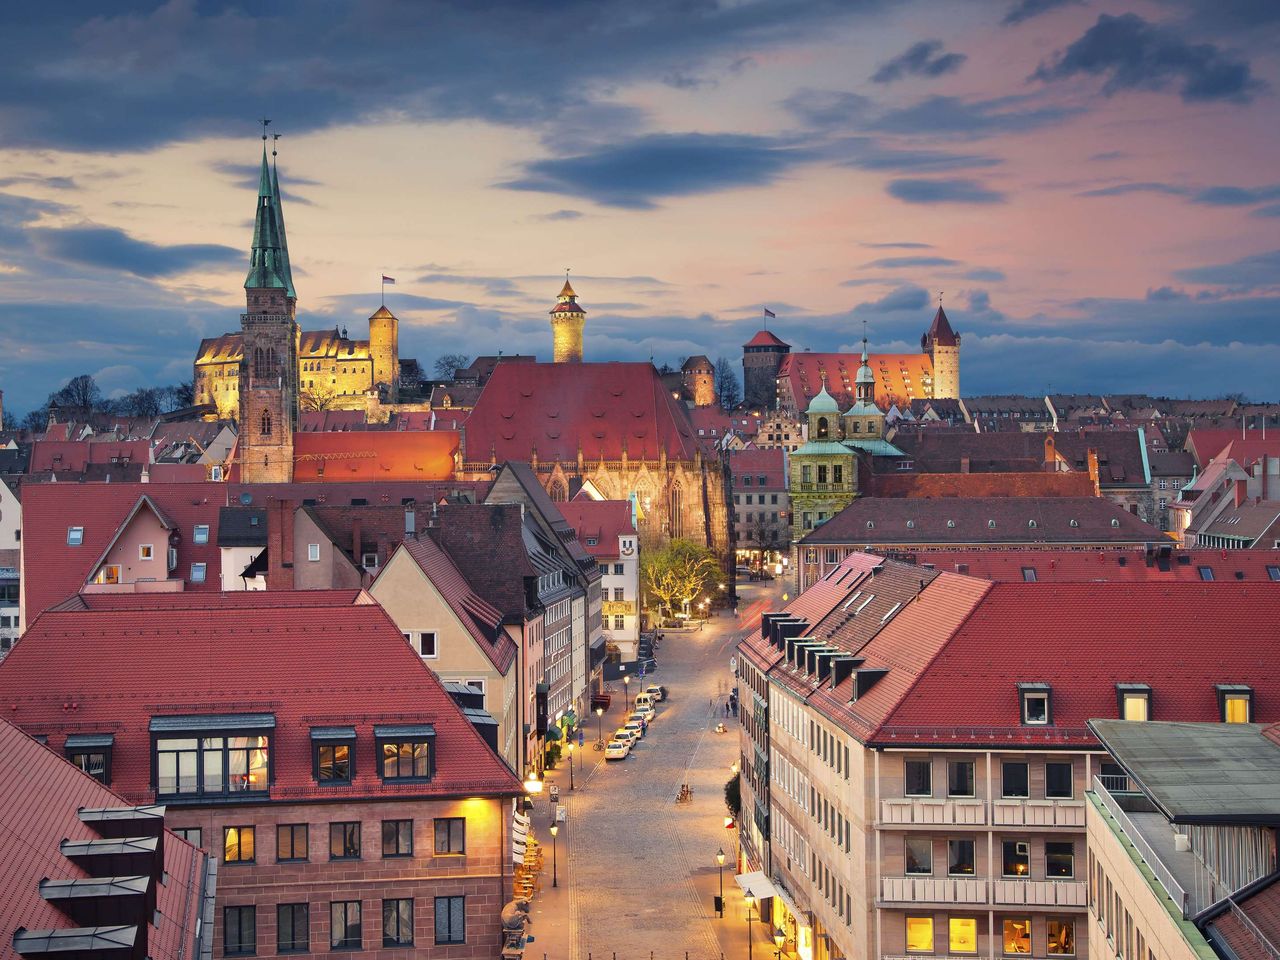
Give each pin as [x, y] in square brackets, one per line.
[779, 938]
[532, 785]
[600, 725]
[733, 768]
[571, 746]
[751, 904]
[555, 880]
[720, 866]
[626, 688]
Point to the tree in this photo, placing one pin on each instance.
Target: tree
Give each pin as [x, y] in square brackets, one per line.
[318, 398]
[143, 402]
[727, 389]
[177, 395]
[733, 796]
[449, 364]
[80, 394]
[8, 421]
[679, 573]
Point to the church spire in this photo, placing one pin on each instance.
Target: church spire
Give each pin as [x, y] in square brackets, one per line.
[266, 259]
[284, 241]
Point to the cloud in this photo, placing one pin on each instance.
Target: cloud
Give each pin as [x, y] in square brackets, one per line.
[1136, 55]
[907, 297]
[1261, 271]
[493, 286]
[828, 108]
[951, 116]
[559, 215]
[635, 174]
[986, 274]
[923, 59]
[1271, 211]
[1229, 196]
[55, 183]
[906, 245]
[943, 191]
[1024, 10]
[107, 248]
[863, 153]
[898, 263]
[1123, 189]
[1108, 155]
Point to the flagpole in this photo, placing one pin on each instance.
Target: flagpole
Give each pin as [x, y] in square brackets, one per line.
[384, 288]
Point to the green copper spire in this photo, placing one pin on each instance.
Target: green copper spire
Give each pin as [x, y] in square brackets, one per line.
[268, 266]
[284, 241]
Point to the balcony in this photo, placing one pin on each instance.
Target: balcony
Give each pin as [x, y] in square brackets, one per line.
[1037, 813]
[933, 890]
[1040, 893]
[926, 811]
[826, 487]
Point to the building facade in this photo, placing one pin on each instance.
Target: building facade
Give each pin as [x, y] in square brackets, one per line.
[762, 357]
[761, 507]
[606, 530]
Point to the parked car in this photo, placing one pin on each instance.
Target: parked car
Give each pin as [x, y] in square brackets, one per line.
[616, 750]
[647, 710]
[630, 736]
[644, 700]
[640, 717]
[656, 691]
[636, 727]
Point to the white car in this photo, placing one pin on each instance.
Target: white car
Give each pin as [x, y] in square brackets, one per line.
[645, 709]
[630, 736]
[616, 750]
[655, 691]
[636, 727]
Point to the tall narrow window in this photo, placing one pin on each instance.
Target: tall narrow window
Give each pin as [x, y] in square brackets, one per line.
[919, 855]
[451, 920]
[345, 931]
[1060, 858]
[237, 845]
[960, 859]
[1017, 858]
[1017, 936]
[919, 934]
[960, 779]
[918, 778]
[962, 935]
[1058, 781]
[1015, 783]
[397, 923]
[239, 933]
[266, 423]
[1036, 707]
[1236, 703]
[293, 928]
[344, 841]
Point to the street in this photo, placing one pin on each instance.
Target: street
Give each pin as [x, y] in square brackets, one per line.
[637, 871]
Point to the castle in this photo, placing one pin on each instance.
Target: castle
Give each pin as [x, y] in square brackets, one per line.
[774, 376]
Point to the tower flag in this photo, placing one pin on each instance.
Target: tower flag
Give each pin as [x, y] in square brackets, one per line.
[385, 281]
[770, 313]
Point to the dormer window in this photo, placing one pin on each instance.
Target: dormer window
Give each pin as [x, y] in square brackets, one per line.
[1036, 707]
[223, 755]
[871, 524]
[1031, 524]
[1115, 522]
[991, 524]
[91, 752]
[1235, 703]
[1134, 701]
[1075, 523]
[406, 752]
[333, 754]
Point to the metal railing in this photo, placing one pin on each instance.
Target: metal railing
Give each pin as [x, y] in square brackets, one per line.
[1253, 931]
[1162, 873]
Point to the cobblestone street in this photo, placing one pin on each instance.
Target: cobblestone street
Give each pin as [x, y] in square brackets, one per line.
[637, 871]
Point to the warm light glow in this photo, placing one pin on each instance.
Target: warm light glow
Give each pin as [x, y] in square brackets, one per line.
[1237, 709]
[720, 856]
[571, 746]
[751, 902]
[533, 784]
[786, 597]
[627, 680]
[920, 934]
[1017, 936]
[599, 711]
[733, 768]
[963, 934]
[779, 938]
[554, 829]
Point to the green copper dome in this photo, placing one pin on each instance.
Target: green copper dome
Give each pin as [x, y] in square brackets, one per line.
[823, 402]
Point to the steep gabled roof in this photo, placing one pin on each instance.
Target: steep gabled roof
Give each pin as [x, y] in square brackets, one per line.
[940, 331]
[603, 521]
[900, 377]
[486, 543]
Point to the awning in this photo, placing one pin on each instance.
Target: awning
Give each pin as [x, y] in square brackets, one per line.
[222, 722]
[756, 885]
[329, 734]
[801, 917]
[90, 740]
[519, 835]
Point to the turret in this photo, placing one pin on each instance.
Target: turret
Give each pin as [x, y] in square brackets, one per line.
[567, 320]
[698, 377]
[864, 420]
[943, 346]
[823, 415]
[762, 356]
[384, 350]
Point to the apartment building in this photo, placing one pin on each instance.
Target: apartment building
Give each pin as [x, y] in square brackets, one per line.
[761, 506]
[606, 529]
[1182, 848]
[915, 767]
[352, 805]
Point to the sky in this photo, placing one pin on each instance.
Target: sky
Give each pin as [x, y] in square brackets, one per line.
[1090, 186]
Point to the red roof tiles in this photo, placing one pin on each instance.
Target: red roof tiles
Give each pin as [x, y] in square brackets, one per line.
[765, 338]
[900, 377]
[343, 456]
[983, 485]
[603, 521]
[1126, 566]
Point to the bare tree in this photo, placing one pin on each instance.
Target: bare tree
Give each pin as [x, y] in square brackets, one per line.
[318, 398]
[143, 402]
[80, 394]
[727, 389]
[447, 366]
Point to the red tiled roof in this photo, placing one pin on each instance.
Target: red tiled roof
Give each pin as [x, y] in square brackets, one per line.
[1189, 637]
[52, 570]
[940, 331]
[1206, 443]
[479, 618]
[601, 520]
[341, 456]
[753, 462]
[71, 456]
[319, 421]
[41, 795]
[290, 660]
[983, 485]
[557, 408]
[900, 377]
[1263, 909]
[766, 338]
[1128, 566]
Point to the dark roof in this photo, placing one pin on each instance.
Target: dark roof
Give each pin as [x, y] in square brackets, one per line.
[242, 527]
[1068, 566]
[697, 361]
[940, 331]
[1200, 772]
[1120, 452]
[977, 520]
[486, 543]
[1171, 463]
[766, 338]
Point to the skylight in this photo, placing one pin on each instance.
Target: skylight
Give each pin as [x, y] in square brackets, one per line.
[863, 605]
[892, 610]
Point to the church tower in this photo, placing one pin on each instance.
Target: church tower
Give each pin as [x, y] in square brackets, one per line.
[269, 368]
[943, 346]
[864, 420]
[567, 321]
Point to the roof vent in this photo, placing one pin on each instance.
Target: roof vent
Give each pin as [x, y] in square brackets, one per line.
[1031, 524]
[1115, 522]
[1075, 523]
[871, 524]
[991, 524]
[951, 523]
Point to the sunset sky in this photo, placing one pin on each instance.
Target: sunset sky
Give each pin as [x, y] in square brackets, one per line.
[1092, 186]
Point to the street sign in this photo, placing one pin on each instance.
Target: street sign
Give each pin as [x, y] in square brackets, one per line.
[579, 736]
[733, 665]
[562, 813]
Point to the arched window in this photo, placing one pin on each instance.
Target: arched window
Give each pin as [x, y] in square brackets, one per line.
[823, 430]
[273, 364]
[259, 369]
[677, 526]
[558, 491]
[266, 423]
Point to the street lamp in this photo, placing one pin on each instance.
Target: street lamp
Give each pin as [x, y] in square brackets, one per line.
[720, 866]
[600, 726]
[532, 784]
[571, 746]
[555, 880]
[733, 768]
[626, 690]
[779, 938]
[751, 903]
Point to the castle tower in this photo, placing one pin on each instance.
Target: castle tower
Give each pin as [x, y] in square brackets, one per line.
[567, 321]
[269, 368]
[943, 346]
[699, 379]
[761, 357]
[384, 349]
[864, 420]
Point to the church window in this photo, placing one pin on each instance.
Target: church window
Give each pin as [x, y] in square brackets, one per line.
[823, 430]
[559, 493]
[675, 511]
[266, 423]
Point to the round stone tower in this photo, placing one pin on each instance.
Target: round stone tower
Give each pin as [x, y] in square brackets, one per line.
[384, 350]
[699, 379]
[567, 321]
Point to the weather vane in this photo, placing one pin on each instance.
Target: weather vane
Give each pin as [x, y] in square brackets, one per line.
[274, 138]
[265, 123]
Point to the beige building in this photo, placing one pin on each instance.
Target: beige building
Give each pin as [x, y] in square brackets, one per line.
[915, 773]
[457, 634]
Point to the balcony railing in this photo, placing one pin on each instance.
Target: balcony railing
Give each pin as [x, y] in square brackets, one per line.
[933, 889]
[1162, 873]
[913, 811]
[1041, 893]
[846, 487]
[1037, 813]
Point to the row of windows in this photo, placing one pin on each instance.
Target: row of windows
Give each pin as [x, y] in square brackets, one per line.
[746, 498]
[918, 859]
[1059, 779]
[346, 925]
[961, 935]
[199, 535]
[605, 570]
[1134, 702]
[293, 840]
[1105, 902]
[745, 480]
[772, 517]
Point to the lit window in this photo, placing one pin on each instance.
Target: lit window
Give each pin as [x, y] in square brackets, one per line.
[237, 844]
[1017, 936]
[1135, 701]
[1017, 858]
[920, 934]
[1060, 859]
[198, 572]
[75, 536]
[201, 534]
[146, 551]
[313, 552]
[211, 766]
[1236, 703]
[1035, 704]
[960, 861]
[334, 751]
[962, 934]
[1062, 938]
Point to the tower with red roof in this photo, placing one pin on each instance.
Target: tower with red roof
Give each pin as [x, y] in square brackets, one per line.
[567, 320]
[761, 357]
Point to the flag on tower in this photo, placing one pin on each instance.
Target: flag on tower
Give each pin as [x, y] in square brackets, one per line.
[770, 313]
[390, 280]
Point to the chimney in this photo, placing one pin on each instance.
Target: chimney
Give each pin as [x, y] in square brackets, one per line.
[1241, 491]
[1050, 453]
[964, 464]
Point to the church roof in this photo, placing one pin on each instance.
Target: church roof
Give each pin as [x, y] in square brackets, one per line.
[900, 377]
[940, 333]
[556, 408]
[766, 339]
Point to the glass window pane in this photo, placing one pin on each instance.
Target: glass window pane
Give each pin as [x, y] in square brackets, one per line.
[919, 778]
[960, 857]
[962, 934]
[1236, 708]
[1060, 858]
[1017, 858]
[1015, 781]
[1017, 936]
[1135, 706]
[920, 934]
[960, 780]
[919, 855]
[1058, 780]
[1062, 938]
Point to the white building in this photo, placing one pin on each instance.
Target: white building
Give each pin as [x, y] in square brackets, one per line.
[607, 530]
